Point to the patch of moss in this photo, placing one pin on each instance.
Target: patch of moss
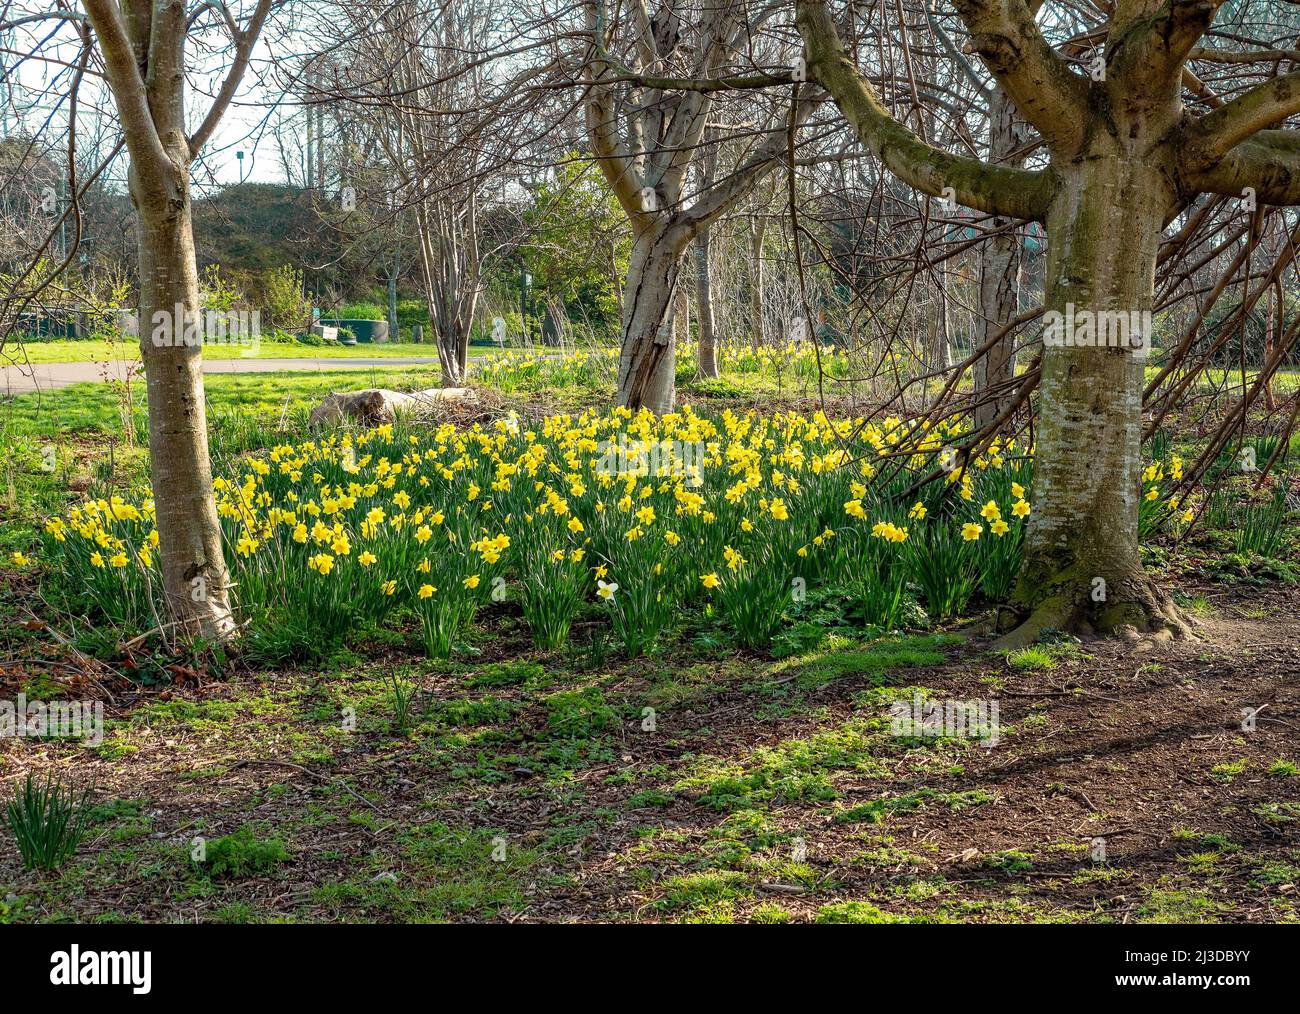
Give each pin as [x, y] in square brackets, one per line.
[697, 890]
[875, 661]
[471, 712]
[242, 854]
[1168, 905]
[876, 810]
[579, 714]
[795, 769]
[1229, 770]
[1010, 861]
[648, 798]
[510, 674]
[855, 912]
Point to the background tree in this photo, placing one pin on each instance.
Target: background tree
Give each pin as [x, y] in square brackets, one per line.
[451, 128]
[652, 82]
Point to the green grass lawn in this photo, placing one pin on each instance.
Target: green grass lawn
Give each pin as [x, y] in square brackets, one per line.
[1284, 381]
[40, 353]
[98, 408]
[101, 351]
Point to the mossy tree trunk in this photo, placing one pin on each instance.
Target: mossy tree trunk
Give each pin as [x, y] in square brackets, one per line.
[1081, 566]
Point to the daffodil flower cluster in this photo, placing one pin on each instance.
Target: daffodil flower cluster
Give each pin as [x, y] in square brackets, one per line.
[345, 530]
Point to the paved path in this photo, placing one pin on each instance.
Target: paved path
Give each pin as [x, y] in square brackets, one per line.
[48, 376]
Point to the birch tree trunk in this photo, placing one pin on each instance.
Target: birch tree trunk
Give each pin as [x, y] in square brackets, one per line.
[142, 43]
[645, 137]
[190, 554]
[647, 365]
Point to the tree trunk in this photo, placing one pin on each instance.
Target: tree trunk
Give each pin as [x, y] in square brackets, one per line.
[647, 365]
[616, 276]
[142, 46]
[999, 281]
[190, 555]
[756, 282]
[1081, 566]
[453, 348]
[451, 289]
[646, 140]
[704, 307]
[1274, 328]
[938, 354]
[393, 334]
[681, 314]
[446, 327]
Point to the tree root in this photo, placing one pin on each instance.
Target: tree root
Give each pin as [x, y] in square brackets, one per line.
[1133, 606]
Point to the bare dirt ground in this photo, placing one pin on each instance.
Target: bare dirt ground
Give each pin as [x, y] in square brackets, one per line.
[1123, 788]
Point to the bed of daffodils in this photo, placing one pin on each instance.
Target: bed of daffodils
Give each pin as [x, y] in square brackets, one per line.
[640, 516]
[512, 369]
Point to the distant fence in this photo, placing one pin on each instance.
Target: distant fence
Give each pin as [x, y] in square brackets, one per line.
[73, 325]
